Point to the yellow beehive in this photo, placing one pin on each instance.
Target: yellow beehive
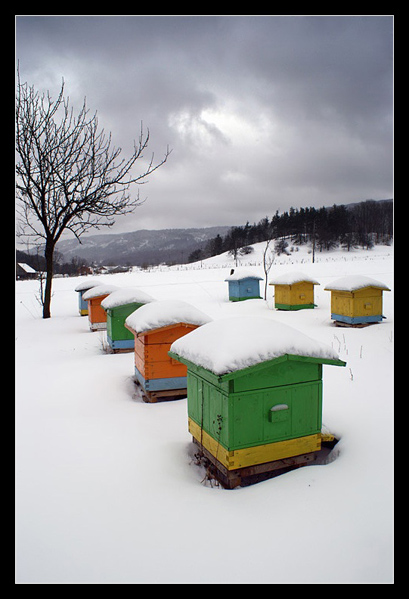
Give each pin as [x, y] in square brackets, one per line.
[294, 291]
[356, 299]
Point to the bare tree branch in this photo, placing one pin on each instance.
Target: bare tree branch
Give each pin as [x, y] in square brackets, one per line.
[268, 261]
[69, 175]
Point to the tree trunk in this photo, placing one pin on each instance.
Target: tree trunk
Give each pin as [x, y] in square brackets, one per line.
[49, 256]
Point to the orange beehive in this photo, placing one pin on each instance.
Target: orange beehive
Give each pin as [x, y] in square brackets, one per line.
[151, 353]
[97, 316]
[156, 326]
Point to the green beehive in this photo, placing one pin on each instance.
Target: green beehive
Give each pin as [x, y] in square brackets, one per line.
[254, 390]
[118, 306]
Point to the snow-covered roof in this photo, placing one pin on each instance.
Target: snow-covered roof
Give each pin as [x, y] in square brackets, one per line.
[354, 282]
[123, 296]
[87, 284]
[291, 278]
[98, 291]
[163, 313]
[240, 274]
[28, 269]
[231, 344]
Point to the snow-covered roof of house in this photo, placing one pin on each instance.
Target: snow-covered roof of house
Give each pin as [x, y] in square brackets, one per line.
[99, 290]
[127, 295]
[87, 284]
[240, 274]
[164, 313]
[231, 344]
[291, 278]
[355, 282]
[28, 269]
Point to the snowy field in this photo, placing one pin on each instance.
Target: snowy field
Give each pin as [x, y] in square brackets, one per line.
[106, 488]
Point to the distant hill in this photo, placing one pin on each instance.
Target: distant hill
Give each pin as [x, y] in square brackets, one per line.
[353, 205]
[139, 247]
[151, 247]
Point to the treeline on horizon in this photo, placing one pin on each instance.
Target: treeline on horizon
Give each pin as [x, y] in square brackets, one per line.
[358, 225]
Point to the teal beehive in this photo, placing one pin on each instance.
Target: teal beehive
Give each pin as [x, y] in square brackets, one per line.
[81, 289]
[243, 285]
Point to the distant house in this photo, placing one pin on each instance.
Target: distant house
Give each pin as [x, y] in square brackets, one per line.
[111, 269]
[24, 271]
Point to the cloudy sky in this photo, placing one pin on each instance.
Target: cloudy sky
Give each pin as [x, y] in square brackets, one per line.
[261, 112]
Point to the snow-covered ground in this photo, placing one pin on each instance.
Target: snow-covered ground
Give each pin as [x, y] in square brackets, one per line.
[106, 488]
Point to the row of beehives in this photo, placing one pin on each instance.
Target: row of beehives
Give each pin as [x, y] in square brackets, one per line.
[355, 299]
[253, 386]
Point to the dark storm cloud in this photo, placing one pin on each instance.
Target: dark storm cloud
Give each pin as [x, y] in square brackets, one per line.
[261, 112]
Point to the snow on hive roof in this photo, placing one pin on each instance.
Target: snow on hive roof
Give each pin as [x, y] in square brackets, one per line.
[121, 297]
[354, 282]
[164, 313]
[291, 278]
[231, 344]
[240, 274]
[98, 291]
[87, 284]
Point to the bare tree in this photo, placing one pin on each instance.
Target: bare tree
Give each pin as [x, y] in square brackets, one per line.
[268, 261]
[69, 176]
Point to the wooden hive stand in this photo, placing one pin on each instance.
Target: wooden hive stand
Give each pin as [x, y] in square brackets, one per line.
[230, 479]
[160, 395]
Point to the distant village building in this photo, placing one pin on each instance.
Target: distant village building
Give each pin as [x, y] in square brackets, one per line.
[24, 271]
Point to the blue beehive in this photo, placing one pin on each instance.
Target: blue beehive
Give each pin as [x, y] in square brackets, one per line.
[81, 289]
[243, 285]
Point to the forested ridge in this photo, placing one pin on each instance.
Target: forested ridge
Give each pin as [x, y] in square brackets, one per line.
[357, 225]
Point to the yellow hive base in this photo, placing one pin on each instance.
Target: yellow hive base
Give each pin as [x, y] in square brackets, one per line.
[251, 456]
